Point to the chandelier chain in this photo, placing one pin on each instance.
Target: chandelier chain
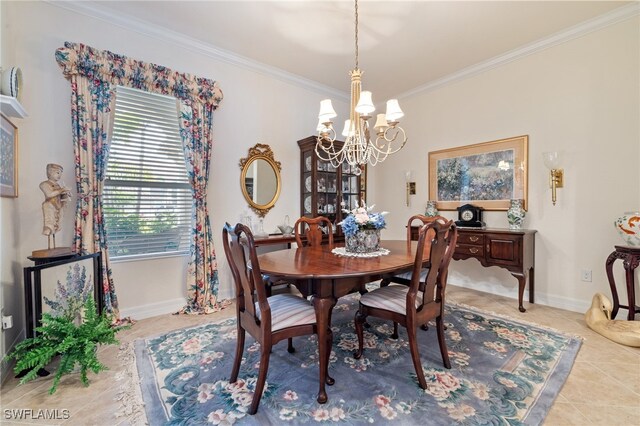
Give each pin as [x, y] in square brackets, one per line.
[356, 34]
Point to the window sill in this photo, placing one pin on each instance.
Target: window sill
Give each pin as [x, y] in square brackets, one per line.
[150, 256]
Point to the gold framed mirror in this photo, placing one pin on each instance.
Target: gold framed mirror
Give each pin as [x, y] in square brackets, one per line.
[260, 179]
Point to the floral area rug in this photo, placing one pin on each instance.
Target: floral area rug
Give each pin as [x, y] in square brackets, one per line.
[503, 373]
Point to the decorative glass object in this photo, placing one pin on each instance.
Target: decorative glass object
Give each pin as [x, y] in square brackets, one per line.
[364, 241]
[515, 214]
[628, 226]
[431, 210]
[286, 228]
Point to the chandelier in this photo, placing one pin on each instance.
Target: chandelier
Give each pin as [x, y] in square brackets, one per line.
[358, 148]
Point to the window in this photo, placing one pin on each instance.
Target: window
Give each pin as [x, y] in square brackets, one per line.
[147, 195]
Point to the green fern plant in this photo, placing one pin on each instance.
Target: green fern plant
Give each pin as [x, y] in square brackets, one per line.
[75, 343]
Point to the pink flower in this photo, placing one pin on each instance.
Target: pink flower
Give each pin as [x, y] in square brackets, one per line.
[388, 412]
[361, 218]
[191, 346]
[382, 400]
[290, 395]
[320, 415]
[444, 384]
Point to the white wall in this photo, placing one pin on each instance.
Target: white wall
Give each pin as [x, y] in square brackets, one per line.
[11, 299]
[580, 97]
[256, 109]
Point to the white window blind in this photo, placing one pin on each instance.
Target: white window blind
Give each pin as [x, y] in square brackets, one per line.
[147, 195]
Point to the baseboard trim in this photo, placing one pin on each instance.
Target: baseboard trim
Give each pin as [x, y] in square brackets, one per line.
[153, 309]
[7, 365]
[540, 298]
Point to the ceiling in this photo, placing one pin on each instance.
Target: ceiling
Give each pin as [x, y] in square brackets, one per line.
[403, 45]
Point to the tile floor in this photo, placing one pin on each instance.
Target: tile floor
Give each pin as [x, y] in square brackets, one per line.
[603, 388]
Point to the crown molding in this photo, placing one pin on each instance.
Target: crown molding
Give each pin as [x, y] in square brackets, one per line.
[133, 24]
[196, 46]
[610, 18]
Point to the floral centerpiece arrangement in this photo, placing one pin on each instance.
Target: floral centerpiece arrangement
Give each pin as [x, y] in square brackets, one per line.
[362, 228]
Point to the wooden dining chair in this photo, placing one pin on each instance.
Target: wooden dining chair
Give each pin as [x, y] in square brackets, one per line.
[308, 231]
[415, 304]
[405, 277]
[268, 319]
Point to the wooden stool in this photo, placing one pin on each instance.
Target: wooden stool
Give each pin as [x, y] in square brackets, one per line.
[630, 259]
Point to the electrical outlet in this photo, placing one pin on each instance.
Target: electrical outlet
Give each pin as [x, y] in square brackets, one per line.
[586, 275]
[7, 322]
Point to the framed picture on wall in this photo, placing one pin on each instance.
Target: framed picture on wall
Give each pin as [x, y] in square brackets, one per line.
[487, 174]
[8, 158]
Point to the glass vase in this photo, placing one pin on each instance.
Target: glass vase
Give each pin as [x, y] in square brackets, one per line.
[364, 241]
[515, 214]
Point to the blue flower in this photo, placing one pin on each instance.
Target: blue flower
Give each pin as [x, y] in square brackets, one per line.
[362, 218]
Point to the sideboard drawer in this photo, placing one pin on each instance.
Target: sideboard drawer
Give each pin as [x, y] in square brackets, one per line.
[469, 250]
[474, 238]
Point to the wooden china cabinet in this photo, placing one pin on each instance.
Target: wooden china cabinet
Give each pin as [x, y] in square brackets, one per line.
[326, 190]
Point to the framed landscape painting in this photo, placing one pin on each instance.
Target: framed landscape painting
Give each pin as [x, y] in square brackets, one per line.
[8, 158]
[486, 174]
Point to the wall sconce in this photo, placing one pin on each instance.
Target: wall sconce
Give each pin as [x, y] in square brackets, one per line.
[552, 161]
[411, 185]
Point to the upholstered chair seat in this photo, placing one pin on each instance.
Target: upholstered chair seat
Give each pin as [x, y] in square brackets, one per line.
[391, 298]
[289, 310]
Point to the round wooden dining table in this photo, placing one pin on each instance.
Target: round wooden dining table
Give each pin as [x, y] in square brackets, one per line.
[325, 276]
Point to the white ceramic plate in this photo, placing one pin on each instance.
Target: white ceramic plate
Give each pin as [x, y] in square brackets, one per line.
[307, 183]
[307, 164]
[307, 204]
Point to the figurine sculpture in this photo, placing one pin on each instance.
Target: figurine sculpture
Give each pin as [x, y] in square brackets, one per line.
[598, 318]
[56, 197]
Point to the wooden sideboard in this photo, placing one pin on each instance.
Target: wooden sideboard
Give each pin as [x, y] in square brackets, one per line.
[513, 250]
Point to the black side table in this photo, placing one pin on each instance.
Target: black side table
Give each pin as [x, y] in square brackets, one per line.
[630, 260]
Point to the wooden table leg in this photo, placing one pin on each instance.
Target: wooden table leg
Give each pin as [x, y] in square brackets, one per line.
[323, 307]
[521, 283]
[612, 283]
[630, 264]
[531, 284]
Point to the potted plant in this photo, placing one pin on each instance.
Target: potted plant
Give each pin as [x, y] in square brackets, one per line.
[72, 329]
[75, 341]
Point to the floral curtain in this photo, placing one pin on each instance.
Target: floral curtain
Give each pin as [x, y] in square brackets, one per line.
[196, 122]
[90, 120]
[94, 74]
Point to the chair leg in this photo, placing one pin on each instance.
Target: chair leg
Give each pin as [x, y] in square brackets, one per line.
[415, 356]
[395, 330]
[442, 342]
[290, 347]
[262, 378]
[384, 282]
[239, 350]
[358, 322]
